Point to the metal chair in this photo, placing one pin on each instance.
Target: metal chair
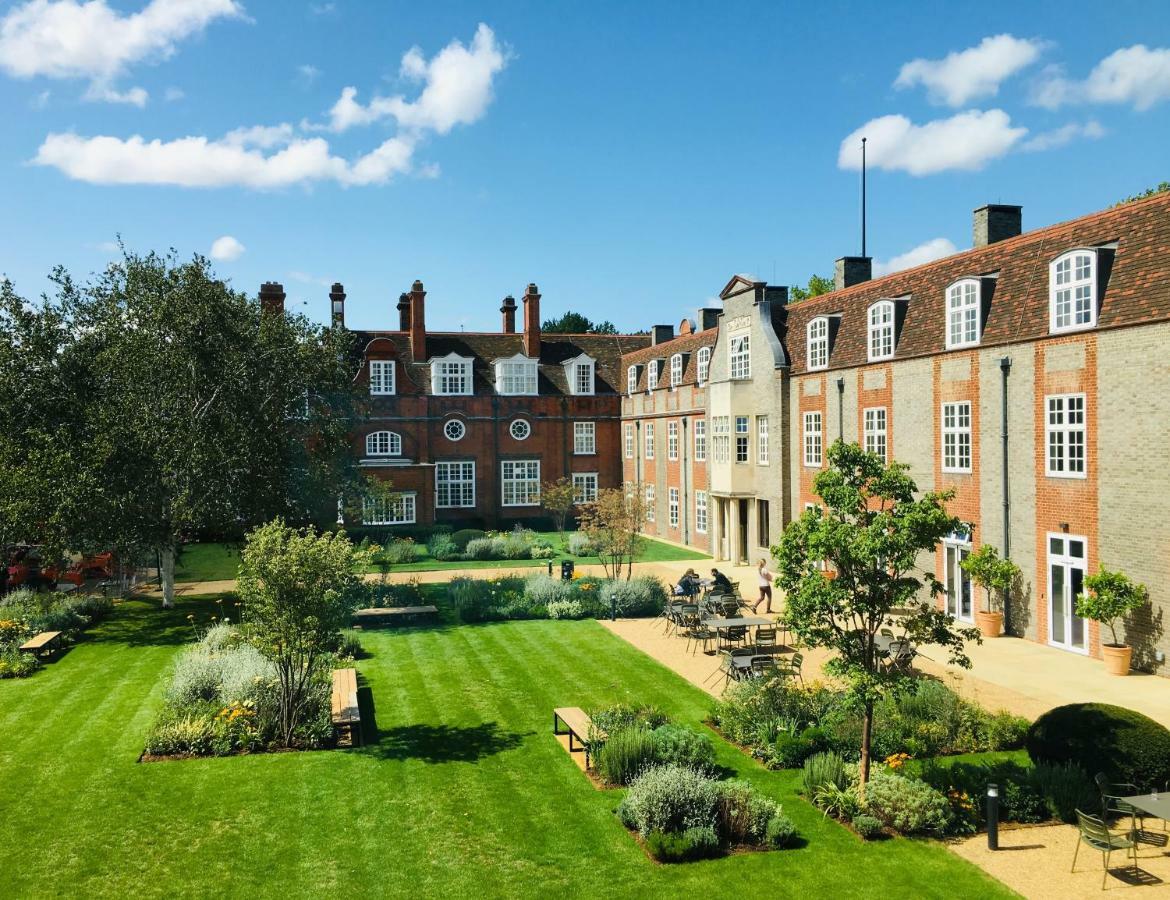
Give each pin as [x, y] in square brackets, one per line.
[702, 633]
[1112, 804]
[766, 640]
[795, 664]
[763, 667]
[901, 656]
[1096, 834]
[735, 636]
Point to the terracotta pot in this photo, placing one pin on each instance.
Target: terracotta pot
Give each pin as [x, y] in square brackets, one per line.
[1117, 657]
[990, 624]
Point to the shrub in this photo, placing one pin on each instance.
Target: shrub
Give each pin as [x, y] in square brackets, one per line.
[670, 798]
[349, 646]
[746, 705]
[518, 544]
[196, 679]
[546, 590]
[1126, 745]
[543, 551]
[221, 636]
[642, 595]
[191, 734]
[694, 843]
[822, 769]
[743, 813]
[395, 593]
[14, 664]
[442, 547]
[1065, 788]
[43, 612]
[565, 609]
[400, 551]
[682, 746]
[580, 545]
[780, 832]
[789, 751]
[907, 805]
[623, 715]
[625, 753]
[867, 826]
[1021, 802]
[1006, 731]
[485, 548]
[465, 536]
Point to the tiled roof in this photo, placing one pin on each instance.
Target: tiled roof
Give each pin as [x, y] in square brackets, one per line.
[485, 348]
[1137, 289]
[687, 344]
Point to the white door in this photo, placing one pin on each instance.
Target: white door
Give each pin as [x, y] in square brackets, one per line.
[959, 602]
[1066, 579]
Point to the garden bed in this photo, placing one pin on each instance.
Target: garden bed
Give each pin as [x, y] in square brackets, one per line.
[25, 613]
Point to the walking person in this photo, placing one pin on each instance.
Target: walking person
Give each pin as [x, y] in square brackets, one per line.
[765, 586]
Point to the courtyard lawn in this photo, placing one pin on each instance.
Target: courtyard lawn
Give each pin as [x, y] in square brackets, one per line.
[461, 791]
[218, 562]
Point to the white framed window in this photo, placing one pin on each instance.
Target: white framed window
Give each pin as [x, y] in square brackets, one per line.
[739, 349]
[875, 431]
[629, 442]
[583, 378]
[520, 429]
[814, 440]
[742, 439]
[397, 509]
[701, 512]
[672, 506]
[381, 376]
[963, 313]
[762, 448]
[818, 343]
[584, 487]
[672, 440]
[956, 548]
[632, 380]
[881, 330]
[700, 440]
[1073, 291]
[704, 365]
[450, 377]
[721, 438]
[454, 429]
[676, 370]
[956, 436]
[454, 484]
[584, 438]
[649, 454]
[650, 512]
[1065, 435]
[383, 443]
[516, 377]
[652, 375]
[520, 480]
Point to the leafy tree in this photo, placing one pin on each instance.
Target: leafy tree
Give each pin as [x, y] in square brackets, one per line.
[991, 573]
[613, 523]
[1110, 596]
[817, 285]
[1148, 192]
[575, 323]
[298, 589]
[847, 568]
[559, 498]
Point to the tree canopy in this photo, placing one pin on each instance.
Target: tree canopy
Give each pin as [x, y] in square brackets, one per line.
[576, 323]
[817, 285]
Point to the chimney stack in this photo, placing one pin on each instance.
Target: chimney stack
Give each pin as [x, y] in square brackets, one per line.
[272, 297]
[996, 222]
[532, 322]
[685, 327]
[660, 334]
[337, 303]
[418, 324]
[404, 312]
[509, 311]
[851, 270]
[708, 318]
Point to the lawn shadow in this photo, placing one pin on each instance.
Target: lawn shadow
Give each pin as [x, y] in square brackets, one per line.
[144, 623]
[446, 743]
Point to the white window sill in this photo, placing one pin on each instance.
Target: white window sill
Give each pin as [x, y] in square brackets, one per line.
[1070, 476]
[956, 471]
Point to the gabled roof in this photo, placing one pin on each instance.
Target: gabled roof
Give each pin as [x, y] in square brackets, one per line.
[688, 344]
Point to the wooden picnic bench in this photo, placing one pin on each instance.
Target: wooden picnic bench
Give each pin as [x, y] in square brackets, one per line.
[44, 645]
[578, 725]
[395, 615]
[347, 718]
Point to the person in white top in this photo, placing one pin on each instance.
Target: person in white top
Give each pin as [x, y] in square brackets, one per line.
[765, 586]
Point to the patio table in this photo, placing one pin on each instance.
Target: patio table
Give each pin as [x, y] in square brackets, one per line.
[1155, 804]
[737, 621]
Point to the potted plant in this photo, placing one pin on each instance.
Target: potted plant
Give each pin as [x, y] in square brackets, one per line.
[995, 576]
[1110, 596]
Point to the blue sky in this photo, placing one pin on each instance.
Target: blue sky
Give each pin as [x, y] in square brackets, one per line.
[629, 158]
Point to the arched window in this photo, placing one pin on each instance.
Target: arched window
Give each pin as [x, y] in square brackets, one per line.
[632, 380]
[704, 369]
[1072, 287]
[818, 343]
[963, 313]
[383, 443]
[881, 330]
[652, 375]
[676, 370]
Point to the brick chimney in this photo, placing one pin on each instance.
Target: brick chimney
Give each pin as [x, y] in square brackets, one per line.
[996, 222]
[851, 270]
[337, 303]
[660, 334]
[686, 326]
[418, 323]
[532, 322]
[708, 317]
[404, 312]
[509, 311]
[272, 297]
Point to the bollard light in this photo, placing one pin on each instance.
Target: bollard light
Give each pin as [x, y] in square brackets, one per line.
[993, 817]
[550, 568]
[613, 607]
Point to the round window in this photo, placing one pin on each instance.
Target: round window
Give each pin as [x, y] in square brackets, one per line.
[520, 429]
[454, 430]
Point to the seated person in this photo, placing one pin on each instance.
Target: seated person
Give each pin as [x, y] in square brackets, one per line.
[688, 585]
[720, 583]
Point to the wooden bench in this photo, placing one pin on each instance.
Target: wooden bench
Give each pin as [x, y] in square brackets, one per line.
[347, 718]
[44, 645]
[395, 615]
[578, 725]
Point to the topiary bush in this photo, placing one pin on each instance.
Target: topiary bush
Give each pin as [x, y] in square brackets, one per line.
[867, 826]
[1124, 744]
[464, 536]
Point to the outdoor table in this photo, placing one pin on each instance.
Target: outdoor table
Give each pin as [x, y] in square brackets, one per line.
[749, 621]
[1155, 804]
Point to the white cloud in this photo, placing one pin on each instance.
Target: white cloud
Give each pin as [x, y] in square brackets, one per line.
[322, 9]
[457, 89]
[41, 100]
[307, 74]
[936, 248]
[1058, 137]
[1137, 75]
[263, 136]
[173, 93]
[966, 141]
[102, 92]
[965, 75]
[73, 39]
[226, 248]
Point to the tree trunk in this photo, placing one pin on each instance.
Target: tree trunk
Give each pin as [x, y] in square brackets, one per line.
[166, 571]
[866, 735]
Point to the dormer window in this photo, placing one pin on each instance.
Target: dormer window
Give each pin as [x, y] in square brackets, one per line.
[516, 376]
[963, 303]
[381, 376]
[1072, 282]
[583, 378]
[451, 375]
[881, 330]
[704, 366]
[818, 343]
[383, 443]
[652, 375]
[632, 380]
[676, 370]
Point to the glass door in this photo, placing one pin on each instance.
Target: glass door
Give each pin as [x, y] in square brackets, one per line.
[1066, 578]
[959, 602]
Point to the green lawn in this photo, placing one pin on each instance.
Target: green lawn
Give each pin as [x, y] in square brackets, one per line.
[217, 562]
[461, 791]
